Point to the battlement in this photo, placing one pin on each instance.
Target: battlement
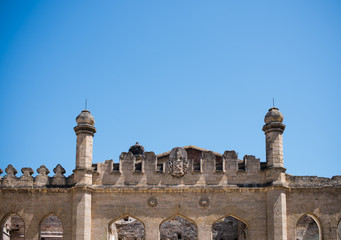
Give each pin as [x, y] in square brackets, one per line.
[202, 167]
[182, 166]
[41, 180]
[189, 165]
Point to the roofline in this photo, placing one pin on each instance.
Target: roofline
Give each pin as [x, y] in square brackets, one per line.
[190, 146]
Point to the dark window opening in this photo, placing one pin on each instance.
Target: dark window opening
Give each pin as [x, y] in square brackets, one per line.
[116, 167]
[159, 167]
[241, 166]
[219, 167]
[138, 167]
[196, 167]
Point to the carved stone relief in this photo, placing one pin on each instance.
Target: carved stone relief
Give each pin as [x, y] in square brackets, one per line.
[178, 163]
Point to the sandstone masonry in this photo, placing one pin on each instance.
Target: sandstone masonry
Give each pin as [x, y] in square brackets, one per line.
[186, 193]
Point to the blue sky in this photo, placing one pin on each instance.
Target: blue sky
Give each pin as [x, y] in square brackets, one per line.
[168, 74]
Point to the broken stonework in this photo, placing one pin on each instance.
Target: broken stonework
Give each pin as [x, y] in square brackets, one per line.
[229, 228]
[178, 228]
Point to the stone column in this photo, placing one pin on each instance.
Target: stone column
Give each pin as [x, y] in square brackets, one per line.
[273, 130]
[276, 215]
[85, 132]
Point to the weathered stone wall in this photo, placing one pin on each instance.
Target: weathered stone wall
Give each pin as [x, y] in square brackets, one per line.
[246, 189]
[33, 205]
[178, 228]
[229, 228]
[112, 203]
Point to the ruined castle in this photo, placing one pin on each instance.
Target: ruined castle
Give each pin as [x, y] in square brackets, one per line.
[187, 193]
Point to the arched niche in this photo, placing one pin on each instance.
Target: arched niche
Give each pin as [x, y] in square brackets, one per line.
[12, 228]
[229, 228]
[178, 228]
[51, 228]
[307, 228]
[126, 228]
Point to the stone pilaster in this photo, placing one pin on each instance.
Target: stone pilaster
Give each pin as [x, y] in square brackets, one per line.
[151, 230]
[81, 214]
[204, 230]
[276, 215]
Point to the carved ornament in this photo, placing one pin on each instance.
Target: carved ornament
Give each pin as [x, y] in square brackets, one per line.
[178, 163]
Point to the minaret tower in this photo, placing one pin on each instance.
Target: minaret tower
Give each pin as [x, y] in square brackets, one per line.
[82, 198]
[85, 132]
[273, 130]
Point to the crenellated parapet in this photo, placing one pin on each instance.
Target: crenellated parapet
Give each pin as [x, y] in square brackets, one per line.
[312, 181]
[182, 166]
[27, 180]
[189, 165]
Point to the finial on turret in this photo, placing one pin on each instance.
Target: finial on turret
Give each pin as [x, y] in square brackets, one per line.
[85, 117]
[273, 115]
[85, 121]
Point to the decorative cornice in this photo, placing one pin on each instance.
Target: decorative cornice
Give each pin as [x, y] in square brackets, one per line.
[273, 126]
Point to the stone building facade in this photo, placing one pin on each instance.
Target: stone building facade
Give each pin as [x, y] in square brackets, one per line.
[187, 193]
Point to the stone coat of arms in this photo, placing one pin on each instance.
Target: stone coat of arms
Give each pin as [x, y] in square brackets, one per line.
[178, 163]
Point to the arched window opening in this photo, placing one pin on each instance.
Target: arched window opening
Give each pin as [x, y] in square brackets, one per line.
[229, 228]
[307, 229]
[339, 231]
[13, 228]
[127, 228]
[51, 228]
[178, 228]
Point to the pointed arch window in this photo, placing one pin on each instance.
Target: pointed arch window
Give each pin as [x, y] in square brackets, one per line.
[126, 228]
[229, 228]
[13, 228]
[307, 228]
[178, 228]
[51, 228]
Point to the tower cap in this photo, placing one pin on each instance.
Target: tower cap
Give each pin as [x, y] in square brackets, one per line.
[273, 115]
[85, 117]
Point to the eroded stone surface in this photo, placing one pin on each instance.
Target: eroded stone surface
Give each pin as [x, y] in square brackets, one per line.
[191, 182]
[178, 228]
[229, 228]
[127, 228]
[13, 228]
[307, 229]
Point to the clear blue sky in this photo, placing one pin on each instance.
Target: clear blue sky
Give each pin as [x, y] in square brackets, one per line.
[168, 74]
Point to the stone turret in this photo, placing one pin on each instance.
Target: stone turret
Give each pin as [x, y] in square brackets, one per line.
[85, 132]
[273, 130]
